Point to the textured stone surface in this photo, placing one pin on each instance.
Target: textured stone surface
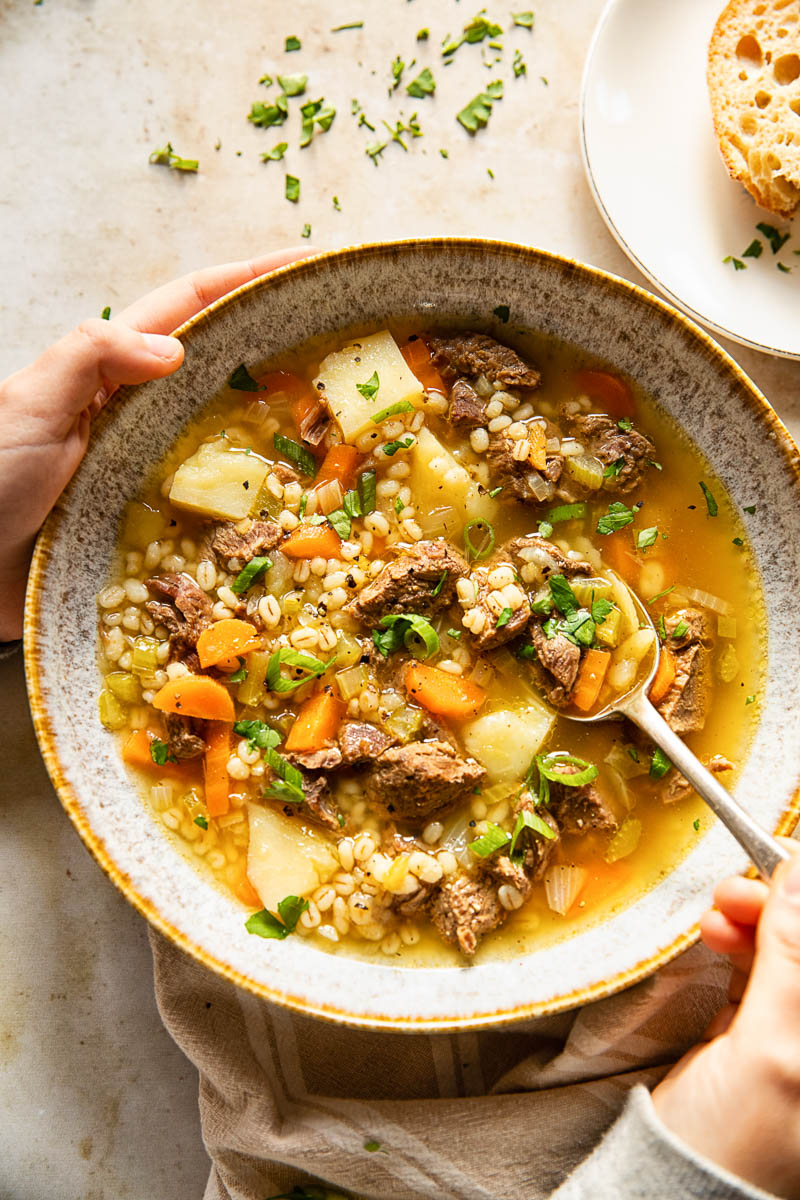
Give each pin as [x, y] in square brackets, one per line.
[93, 1093]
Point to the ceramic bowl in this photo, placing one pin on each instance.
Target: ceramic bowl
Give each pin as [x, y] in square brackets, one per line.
[688, 375]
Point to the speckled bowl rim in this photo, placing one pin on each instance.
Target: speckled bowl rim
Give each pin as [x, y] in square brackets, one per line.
[34, 636]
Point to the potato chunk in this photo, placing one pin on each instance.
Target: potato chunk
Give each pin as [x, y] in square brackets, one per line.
[219, 480]
[285, 858]
[445, 494]
[355, 364]
[506, 741]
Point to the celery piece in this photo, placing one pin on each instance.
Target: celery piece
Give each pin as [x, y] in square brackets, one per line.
[608, 631]
[112, 714]
[404, 722]
[145, 655]
[251, 690]
[124, 686]
[586, 470]
[588, 590]
[352, 681]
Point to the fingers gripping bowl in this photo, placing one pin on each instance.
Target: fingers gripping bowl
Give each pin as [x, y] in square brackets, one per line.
[581, 320]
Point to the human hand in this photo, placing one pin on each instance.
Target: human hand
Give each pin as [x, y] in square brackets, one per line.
[46, 409]
[736, 1099]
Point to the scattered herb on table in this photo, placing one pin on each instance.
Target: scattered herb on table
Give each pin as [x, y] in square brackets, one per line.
[502, 312]
[738, 265]
[754, 250]
[424, 85]
[291, 43]
[523, 19]
[774, 236]
[475, 115]
[165, 156]
[105, 315]
[276, 153]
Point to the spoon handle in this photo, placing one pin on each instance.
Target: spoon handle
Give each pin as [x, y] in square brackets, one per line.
[764, 850]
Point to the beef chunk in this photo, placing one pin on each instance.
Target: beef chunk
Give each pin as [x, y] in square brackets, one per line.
[559, 659]
[182, 741]
[319, 804]
[227, 542]
[685, 706]
[409, 582]
[581, 809]
[467, 410]
[490, 602]
[536, 854]
[514, 477]
[414, 781]
[464, 909]
[417, 902]
[326, 758]
[187, 613]
[361, 742]
[537, 559]
[474, 354]
[602, 437]
[679, 788]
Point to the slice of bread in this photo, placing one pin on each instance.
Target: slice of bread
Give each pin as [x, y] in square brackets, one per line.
[754, 84]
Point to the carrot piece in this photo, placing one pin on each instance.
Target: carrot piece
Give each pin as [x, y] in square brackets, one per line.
[617, 553]
[312, 541]
[316, 722]
[227, 639]
[215, 766]
[590, 679]
[284, 381]
[248, 895]
[195, 696]
[612, 392]
[341, 463]
[136, 753]
[418, 360]
[537, 440]
[440, 692]
[664, 676]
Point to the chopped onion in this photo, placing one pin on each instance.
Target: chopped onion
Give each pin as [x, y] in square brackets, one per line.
[542, 489]
[623, 765]
[571, 447]
[625, 840]
[707, 600]
[352, 681]
[435, 523]
[456, 838]
[562, 884]
[161, 796]
[329, 496]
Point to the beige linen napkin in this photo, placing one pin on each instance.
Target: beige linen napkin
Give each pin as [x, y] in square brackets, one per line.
[501, 1115]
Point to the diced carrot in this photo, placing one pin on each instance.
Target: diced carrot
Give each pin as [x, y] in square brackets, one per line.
[286, 382]
[418, 360]
[218, 740]
[616, 551]
[591, 674]
[537, 440]
[312, 541]
[195, 696]
[664, 676]
[136, 753]
[227, 639]
[443, 693]
[612, 392]
[248, 895]
[316, 722]
[341, 463]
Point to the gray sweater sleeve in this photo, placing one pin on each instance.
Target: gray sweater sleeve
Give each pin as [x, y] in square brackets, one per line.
[639, 1159]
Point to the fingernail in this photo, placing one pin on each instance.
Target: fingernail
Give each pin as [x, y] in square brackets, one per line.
[791, 880]
[161, 345]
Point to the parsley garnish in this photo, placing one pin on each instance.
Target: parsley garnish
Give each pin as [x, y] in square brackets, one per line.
[504, 618]
[696, 824]
[306, 231]
[240, 675]
[659, 764]
[291, 43]
[564, 598]
[519, 65]
[754, 250]
[370, 388]
[105, 315]
[249, 574]
[292, 85]
[646, 537]
[266, 115]
[165, 156]
[618, 517]
[495, 492]
[601, 609]
[502, 312]
[298, 454]
[276, 153]
[750, 700]
[160, 753]
[475, 115]
[202, 822]
[711, 503]
[242, 381]
[625, 424]
[738, 265]
[340, 521]
[454, 633]
[749, 508]
[391, 448]
[564, 512]
[523, 19]
[613, 468]
[266, 925]
[424, 85]
[292, 190]
[440, 584]
[314, 113]
[774, 236]
[375, 149]
[737, 541]
[259, 735]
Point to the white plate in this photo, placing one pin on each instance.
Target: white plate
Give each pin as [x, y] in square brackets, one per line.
[654, 167]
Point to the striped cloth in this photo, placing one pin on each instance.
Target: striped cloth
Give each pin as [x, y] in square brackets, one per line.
[288, 1100]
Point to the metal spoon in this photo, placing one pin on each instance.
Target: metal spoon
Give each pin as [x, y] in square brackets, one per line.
[764, 850]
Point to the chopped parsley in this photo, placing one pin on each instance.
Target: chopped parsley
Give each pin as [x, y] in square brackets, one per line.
[266, 925]
[523, 19]
[750, 700]
[519, 65]
[737, 541]
[249, 574]
[291, 43]
[105, 315]
[340, 520]
[617, 518]
[259, 736]
[601, 609]
[696, 824]
[564, 512]
[298, 454]
[625, 424]
[242, 381]
[165, 156]
[370, 388]
[454, 633]
[265, 115]
[336, 204]
[306, 231]
[202, 822]
[754, 250]
[372, 1145]
[502, 312]
[276, 153]
[646, 537]
[749, 508]
[409, 630]
[545, 529]
[314, 112]
[738, 265]
[160, 754]
[240, 674]
[292, 85]
[391, 448]
[564, 598]
[440, 584]
[659, 764]
[375, 149]
[423, 35]
[504, 618]
[711, 503]
[475, 115]
[614, 468]
[343, 28]
[292, 189]
[782, 267]
[309, 666]
[424, 85]
[774, 236]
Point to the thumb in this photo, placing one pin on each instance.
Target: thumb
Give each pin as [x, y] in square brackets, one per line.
[64, 380]
[772, 998]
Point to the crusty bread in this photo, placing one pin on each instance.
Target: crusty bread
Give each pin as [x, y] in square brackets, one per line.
[754, 84]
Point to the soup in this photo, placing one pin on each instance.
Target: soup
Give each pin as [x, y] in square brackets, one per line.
[355, 605]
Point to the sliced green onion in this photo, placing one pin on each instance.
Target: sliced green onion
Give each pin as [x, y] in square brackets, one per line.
[475, 552]
[402, 406]
[711, 503]
[313, 667]
[367, 491]
[412, 628]
[548, 764]
[494, 839]
[248, 575]
[529, 820]
[298, 454]
[659, 764]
